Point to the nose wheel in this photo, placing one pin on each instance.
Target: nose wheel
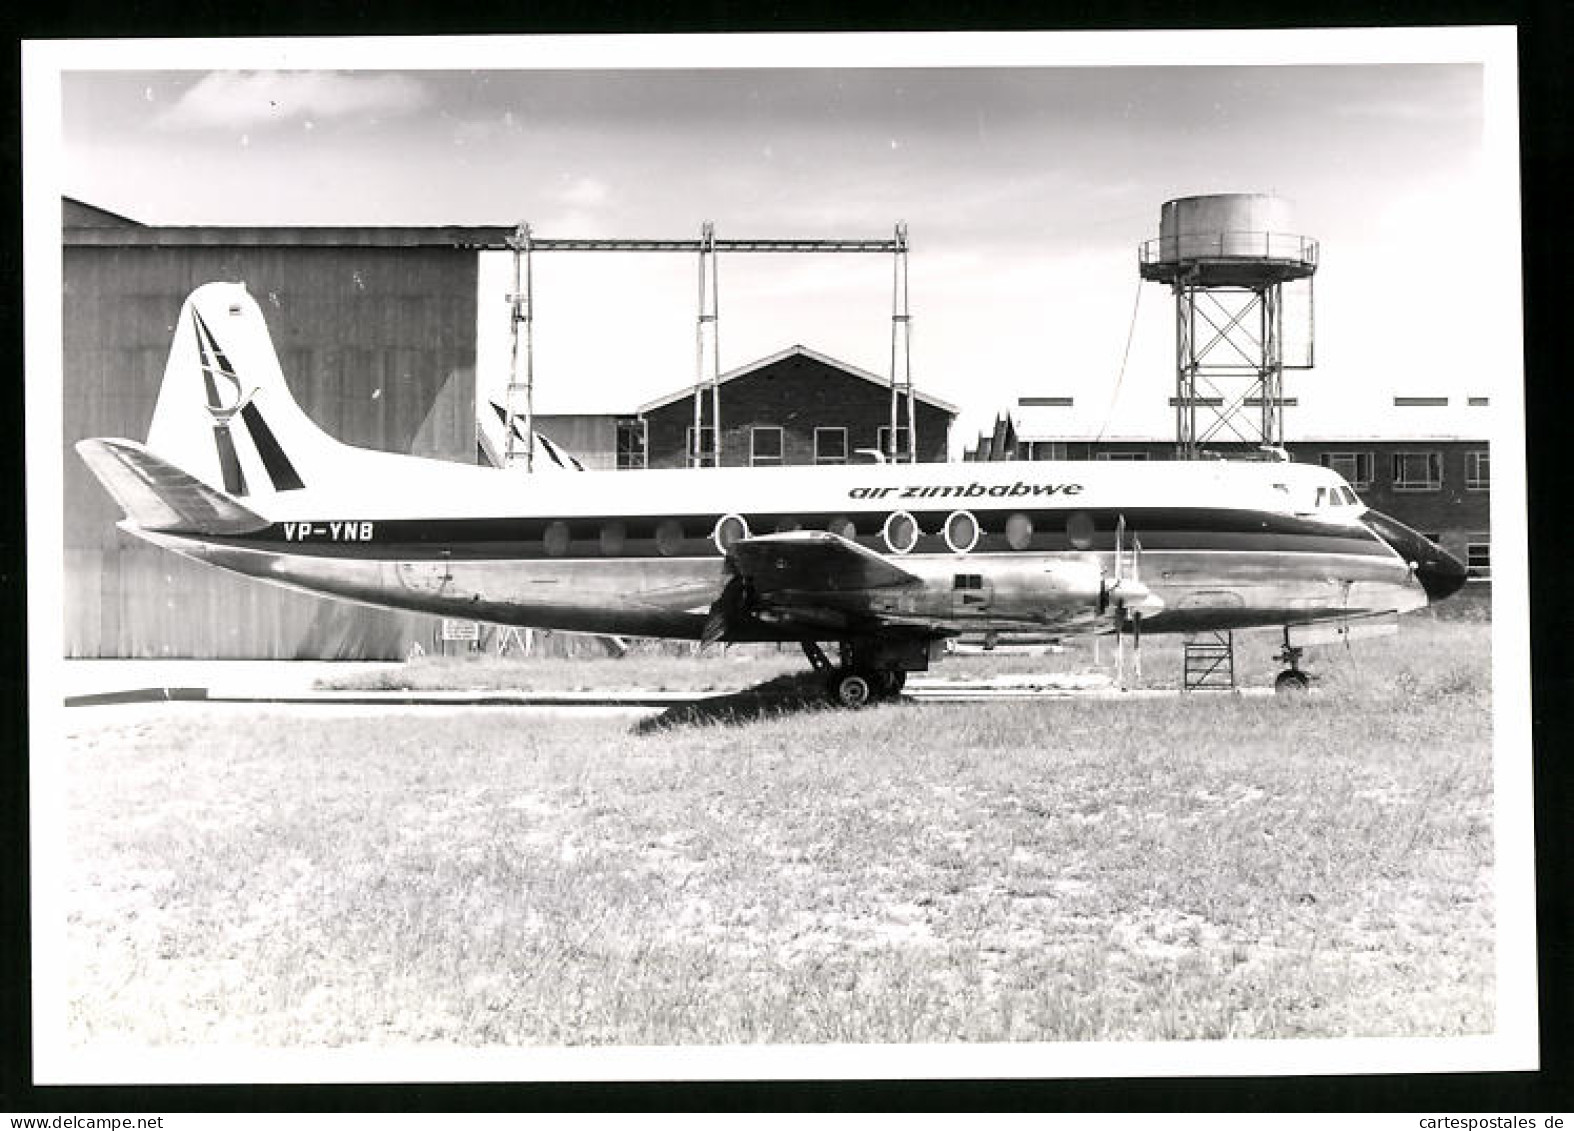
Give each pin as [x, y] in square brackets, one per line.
[1291, 681]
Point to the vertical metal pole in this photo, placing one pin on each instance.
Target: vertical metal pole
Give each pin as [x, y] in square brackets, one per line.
[1271, 388]
[1185, 372]
[901, 356]
[707, 353]
[522, 312]
[530, 356]
[696, 444]
[715, 344]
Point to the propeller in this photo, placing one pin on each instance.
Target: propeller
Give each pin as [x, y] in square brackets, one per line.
[730, 609]
[1130, 598]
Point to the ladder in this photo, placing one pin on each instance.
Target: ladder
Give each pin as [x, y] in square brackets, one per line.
[1209, 662]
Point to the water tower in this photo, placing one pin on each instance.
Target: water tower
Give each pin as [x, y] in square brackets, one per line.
[1227, 258]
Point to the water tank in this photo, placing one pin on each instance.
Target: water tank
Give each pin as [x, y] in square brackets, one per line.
[1243, 239]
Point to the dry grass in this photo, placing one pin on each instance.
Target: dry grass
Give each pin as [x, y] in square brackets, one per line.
[1198, 868]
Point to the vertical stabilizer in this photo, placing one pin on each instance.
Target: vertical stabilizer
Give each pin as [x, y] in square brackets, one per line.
[225, 414]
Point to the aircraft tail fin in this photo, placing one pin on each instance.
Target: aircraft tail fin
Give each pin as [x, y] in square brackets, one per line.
[224, 414]
[160, 497]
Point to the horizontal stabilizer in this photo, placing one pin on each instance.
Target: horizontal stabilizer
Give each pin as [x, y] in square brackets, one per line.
[813, 560]
[159, 496]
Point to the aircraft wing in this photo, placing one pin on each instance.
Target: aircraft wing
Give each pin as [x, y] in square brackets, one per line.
[811, 561]
[811, 579]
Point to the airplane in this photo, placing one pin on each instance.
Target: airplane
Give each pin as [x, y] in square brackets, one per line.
[885, 560]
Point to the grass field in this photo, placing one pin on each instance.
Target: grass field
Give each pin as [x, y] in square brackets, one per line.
[1192, 868]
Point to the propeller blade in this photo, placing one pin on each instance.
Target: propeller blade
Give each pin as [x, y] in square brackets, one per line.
[1136, 643]
[727, 611]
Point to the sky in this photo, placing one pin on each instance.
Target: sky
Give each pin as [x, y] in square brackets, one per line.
[1026, 189]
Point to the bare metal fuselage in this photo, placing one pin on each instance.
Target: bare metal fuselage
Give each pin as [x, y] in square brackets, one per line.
[669, 597]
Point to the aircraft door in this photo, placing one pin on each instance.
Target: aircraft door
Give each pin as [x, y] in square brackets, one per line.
[972, 595]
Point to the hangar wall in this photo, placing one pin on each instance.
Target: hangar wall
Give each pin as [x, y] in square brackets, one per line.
[375, 330]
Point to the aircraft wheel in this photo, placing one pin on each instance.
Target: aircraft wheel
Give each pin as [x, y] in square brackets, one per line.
[851, 690]
[1292, 682]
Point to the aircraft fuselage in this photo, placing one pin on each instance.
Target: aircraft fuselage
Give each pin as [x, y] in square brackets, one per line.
[1027, 554]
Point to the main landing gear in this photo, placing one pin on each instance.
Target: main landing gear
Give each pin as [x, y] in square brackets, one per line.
[864, 676]
[1291, 681]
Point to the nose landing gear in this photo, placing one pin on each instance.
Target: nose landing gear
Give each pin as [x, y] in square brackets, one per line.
[1291, 681]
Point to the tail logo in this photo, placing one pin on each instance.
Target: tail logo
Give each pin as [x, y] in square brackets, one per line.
[216, 367]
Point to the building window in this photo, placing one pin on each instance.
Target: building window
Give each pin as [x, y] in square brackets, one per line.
[1355, 468]
[830, 445]
[1418, 471]
[883, 441]
[1478, 558]
[1478, 470]
[1120, 457]
[707, 450]
[765, 446]
[1420, 402]
[630, 444]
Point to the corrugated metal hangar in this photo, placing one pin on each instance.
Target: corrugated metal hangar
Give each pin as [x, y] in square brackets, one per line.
[376, 329]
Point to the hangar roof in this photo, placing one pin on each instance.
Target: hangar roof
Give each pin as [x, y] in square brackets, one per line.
[87, 225]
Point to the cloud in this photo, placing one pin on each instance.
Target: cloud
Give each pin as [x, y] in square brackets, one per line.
[248, 99]
[583, 192]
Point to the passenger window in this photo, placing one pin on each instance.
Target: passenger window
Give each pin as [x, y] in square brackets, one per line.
[669, 537]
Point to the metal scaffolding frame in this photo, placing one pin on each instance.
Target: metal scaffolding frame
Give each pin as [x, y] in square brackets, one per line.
[1228, 361]
[520, 441]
